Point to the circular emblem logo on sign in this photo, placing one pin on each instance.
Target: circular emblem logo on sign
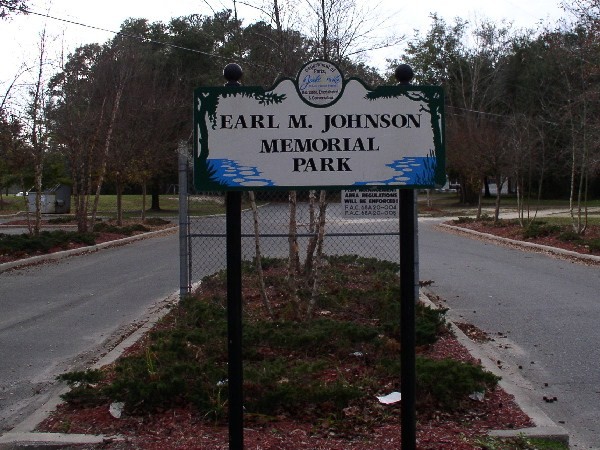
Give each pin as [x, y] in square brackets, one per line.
[320, 83]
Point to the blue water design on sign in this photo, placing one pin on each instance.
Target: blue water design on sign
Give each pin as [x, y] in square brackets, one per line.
[418, 171]
[409, 171]
[231, 173]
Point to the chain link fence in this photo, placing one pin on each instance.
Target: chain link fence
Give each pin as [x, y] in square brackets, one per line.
[372, 231]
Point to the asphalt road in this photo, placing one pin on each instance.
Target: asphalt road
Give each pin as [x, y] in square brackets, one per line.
[56, 316]
[543, 312]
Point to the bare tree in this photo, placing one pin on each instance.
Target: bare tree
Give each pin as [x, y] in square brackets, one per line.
[10, 7]
[36, 129]
[527, 145]
[258, 257]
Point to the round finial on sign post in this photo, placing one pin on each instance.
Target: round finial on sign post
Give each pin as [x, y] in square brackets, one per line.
[404, 74]
[233, 74]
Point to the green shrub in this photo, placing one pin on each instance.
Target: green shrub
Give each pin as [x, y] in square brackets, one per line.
[593, 245]
[569, 236]
[82, 377]
[538, 228]
[83, 387]
[316, 336]
[128, 230]
[429, 322]
[60, 220]
[315, 368]
[464, 219]
[447, 383]
[26, 244]
[156, 221]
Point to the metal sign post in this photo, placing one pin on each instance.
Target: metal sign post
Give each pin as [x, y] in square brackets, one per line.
[234, 320]
[408, 298]
[233, 74]
[409, 292]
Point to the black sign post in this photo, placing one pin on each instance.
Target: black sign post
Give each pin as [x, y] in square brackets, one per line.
[409, 281]
[233, 74]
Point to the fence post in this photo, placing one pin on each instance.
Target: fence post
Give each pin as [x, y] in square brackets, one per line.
[184, 279]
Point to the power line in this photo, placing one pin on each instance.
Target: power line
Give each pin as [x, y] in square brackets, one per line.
[131, 36]
[117, 33]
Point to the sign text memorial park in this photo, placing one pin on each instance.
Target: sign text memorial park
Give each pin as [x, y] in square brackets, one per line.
[318, 131]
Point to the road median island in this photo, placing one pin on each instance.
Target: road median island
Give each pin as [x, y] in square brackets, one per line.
[522, 244]
[178, 424]
[105, 240]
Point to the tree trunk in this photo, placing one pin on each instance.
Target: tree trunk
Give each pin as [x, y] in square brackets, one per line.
[26, 205]
[155, 195]
[499, 184]
[325, 38]
[144, 192]
[119, 201]
[38, 198]
[479, 205]
[85, 176]
[317, 271]
[293, 255]
[312, 242]
[258, 258]
[107, 142]
[486, 187]
[36, 144]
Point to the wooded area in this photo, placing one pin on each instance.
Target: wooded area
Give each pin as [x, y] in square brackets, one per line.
[521, 105]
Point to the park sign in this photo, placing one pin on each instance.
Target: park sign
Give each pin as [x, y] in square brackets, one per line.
[318, 131]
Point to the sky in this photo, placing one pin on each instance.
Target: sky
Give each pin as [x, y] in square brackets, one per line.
[20, 36]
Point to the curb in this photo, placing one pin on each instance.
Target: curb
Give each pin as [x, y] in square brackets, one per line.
[22, 435]
[512, 383]
[51, 440]
[80, 251]
[531, 245]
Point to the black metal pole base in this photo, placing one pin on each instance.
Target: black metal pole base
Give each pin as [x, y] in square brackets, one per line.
[408, 290]
[234, 319]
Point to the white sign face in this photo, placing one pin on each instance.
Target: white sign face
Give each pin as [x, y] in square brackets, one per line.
[247, 138]
[380, 203]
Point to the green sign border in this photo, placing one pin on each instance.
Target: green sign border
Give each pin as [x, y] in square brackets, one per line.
[206, 100]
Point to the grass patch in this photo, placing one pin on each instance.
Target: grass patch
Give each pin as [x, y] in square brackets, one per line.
[169, 205]
[312, 370]
[10, 204]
